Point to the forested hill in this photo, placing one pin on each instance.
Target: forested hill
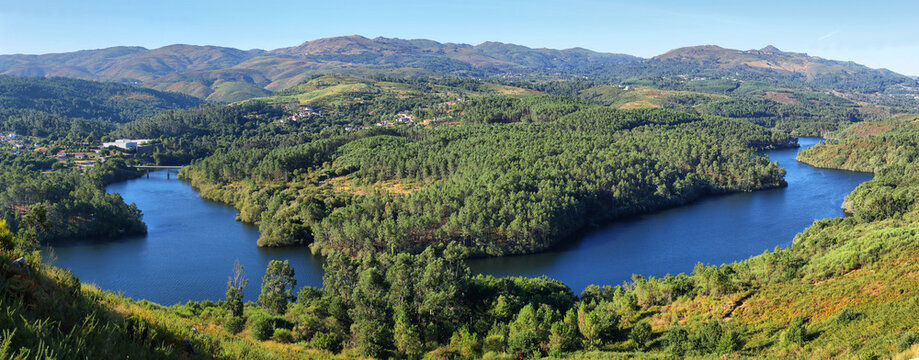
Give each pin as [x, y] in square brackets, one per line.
[227, 75]
[49, 107]
[394, 164]
[868, 146]
[116, 102]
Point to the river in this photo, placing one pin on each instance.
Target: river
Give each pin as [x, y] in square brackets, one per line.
[191, 243]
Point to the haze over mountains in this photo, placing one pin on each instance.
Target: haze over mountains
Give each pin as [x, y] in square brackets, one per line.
[226, 74]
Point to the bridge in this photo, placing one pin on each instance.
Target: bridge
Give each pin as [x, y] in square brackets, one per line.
[177, 167]
[168, 168]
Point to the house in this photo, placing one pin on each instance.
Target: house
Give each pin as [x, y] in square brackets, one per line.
[61, 155]
[405, 117]
[79, 155]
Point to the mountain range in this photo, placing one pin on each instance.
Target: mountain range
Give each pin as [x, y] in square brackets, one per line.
[225, 74]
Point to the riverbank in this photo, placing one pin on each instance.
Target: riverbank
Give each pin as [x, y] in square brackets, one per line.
[713, 230]
[192, 243]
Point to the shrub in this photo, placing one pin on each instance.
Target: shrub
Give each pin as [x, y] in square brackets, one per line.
[730, 342]
[906, 340]
[640, 334]
[282, 335]
[846, 316]
[465, 344]
[261, 327]
[494, 343]
[526, 342]
[678, 340]
[326, 341]
[234, 324]
[706, 338]
[797, 331]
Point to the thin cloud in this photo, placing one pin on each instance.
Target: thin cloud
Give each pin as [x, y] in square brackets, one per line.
[827, 36]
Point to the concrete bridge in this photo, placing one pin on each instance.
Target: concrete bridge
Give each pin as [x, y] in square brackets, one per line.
[168, 168]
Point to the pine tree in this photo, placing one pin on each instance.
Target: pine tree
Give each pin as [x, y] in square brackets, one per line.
[277, 287]
[235, 286]
[371, 328]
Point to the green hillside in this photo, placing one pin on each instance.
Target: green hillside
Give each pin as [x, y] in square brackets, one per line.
[49, 107]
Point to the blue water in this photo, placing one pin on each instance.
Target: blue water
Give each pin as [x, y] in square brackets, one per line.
[714, 230]
[188, 252]
[191, 245]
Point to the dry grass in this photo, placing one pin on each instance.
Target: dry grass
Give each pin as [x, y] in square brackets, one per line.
[349, 185]
[781, 97]
[642, 104]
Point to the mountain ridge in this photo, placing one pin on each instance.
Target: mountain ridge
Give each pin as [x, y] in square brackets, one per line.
[226, 74]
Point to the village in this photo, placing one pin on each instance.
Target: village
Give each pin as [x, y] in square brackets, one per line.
[75, 156]
[402, 119]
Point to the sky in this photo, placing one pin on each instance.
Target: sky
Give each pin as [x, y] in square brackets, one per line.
[879, 33]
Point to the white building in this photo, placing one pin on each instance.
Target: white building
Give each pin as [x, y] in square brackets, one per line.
[126, 144]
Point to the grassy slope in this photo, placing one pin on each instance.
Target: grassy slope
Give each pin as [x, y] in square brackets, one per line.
[48, 313]
[331, 90]
[638, 97]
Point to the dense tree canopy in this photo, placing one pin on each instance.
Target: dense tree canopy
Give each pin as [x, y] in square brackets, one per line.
[496, 188]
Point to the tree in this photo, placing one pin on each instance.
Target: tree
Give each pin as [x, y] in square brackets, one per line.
[371, 329]
[405, 333]
[277, 287]
[563, 337]
[235, 286]
[37, 225]
[465, 345]
[530, 330]
[640, 334]
[598, 325]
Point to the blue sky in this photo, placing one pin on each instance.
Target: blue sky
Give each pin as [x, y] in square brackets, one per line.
[875, 33]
